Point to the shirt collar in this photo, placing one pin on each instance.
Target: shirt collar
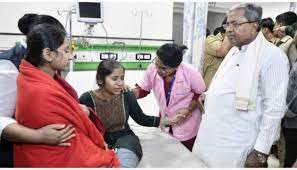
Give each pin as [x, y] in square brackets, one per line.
[285, 38]
[220, 36]
[243, 48]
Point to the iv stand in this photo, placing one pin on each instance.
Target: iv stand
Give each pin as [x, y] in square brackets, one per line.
[142, 14]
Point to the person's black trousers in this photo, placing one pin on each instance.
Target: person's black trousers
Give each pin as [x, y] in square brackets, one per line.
[291, 146]
[6, 154]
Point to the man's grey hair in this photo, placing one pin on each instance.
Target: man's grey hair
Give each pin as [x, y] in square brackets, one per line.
[252, 12]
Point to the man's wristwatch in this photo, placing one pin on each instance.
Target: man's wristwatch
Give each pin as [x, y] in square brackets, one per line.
[261, 157]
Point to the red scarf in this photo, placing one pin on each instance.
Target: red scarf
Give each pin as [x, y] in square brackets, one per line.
[41, 100]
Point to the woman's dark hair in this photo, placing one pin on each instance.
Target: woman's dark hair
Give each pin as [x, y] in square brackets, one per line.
[105, 68]
[28, 21]
[40, 37]
[171, 54]
[47, 19]
[25, 23]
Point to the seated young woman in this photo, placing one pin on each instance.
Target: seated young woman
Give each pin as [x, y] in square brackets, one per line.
[114, 107]
[43, 97]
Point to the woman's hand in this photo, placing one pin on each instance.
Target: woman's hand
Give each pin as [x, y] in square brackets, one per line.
[126, 88]
[181, 116]
[56, 134]
[85, 109]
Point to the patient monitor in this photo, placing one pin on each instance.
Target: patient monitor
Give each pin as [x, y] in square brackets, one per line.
[90, 12]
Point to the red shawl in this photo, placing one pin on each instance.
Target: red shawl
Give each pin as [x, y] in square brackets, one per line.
[41, 100]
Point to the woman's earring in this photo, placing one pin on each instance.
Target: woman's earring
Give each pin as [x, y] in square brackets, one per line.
[99, 83]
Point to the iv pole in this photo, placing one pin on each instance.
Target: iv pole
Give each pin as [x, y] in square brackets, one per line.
[142, 14]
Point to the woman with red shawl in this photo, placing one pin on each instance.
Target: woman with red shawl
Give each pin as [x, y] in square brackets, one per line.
[43, 98]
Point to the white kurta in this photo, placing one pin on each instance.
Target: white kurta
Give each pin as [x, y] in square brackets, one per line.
[8, 76]
[227, 135]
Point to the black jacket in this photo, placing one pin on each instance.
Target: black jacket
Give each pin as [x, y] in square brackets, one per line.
[290, 118]
[15, 54]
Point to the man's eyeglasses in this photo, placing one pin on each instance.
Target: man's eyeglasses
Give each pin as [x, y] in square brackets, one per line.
[236, 25]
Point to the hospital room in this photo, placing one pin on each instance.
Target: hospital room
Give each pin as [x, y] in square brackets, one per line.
[148, 84]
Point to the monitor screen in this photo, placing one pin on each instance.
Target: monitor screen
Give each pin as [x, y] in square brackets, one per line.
[90, 12]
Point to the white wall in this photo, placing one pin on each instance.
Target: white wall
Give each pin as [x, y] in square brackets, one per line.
[270, 9]
[214, 20]
[121, 19]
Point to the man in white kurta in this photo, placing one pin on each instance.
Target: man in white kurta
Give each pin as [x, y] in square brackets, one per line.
[232, 135]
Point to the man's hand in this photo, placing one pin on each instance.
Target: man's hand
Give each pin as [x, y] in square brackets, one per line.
[56, 134]
[256, 160]
[85, 109]
[164, 121]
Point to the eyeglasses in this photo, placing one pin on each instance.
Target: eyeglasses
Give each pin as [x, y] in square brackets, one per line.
[236, 25]
[163, 68]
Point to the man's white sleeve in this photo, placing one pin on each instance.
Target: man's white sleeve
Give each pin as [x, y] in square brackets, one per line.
[4, 122]
[273, 85]
[8, 75]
